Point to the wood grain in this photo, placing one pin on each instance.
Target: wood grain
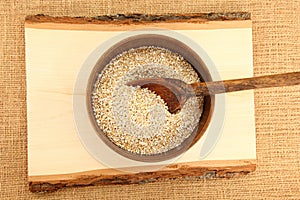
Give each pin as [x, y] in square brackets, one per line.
[140, 21]
[140, 18]
[176, 92]
[267, 81]
[200, 170]
[55, 53]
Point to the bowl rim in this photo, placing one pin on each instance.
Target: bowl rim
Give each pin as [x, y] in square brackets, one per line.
[103, 154]
[174, 45]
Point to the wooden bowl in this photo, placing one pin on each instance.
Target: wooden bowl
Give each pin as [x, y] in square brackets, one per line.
[173, 45]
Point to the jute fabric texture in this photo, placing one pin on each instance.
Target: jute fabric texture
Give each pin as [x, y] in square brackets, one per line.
[276, 43]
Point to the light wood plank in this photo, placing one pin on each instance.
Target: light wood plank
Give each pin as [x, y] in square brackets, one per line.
[54, 56]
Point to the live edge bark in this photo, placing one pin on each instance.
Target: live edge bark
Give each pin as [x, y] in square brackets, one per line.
[140, 18]
[180, 171]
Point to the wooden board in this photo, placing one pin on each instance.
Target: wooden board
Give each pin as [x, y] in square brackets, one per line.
[56, 51]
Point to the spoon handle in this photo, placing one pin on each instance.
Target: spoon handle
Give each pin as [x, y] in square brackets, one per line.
[217, 87]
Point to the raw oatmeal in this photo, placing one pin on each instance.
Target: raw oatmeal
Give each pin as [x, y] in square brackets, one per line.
[136, 119]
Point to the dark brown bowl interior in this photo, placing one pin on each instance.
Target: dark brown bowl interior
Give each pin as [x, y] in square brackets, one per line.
[175, 46]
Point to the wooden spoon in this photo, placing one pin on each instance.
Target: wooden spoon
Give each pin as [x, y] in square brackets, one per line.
[176, 92]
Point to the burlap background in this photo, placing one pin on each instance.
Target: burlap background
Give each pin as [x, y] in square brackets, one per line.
[276, 37]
